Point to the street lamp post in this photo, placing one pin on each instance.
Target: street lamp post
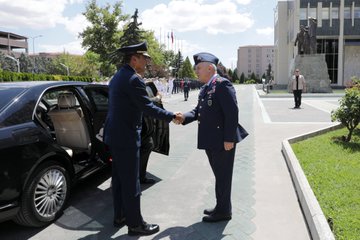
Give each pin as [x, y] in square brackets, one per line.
[33, 40]
[16, 60]
[67, 68]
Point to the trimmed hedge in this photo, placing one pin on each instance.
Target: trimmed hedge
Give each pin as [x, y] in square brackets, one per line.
[7, 76]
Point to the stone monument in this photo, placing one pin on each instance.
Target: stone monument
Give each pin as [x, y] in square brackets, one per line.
[312, 65]
[315, 71]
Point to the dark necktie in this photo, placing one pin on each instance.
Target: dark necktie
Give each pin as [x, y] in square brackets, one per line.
[297, 82]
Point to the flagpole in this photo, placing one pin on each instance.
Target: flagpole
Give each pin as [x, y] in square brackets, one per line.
[160, 38]
[168, 42]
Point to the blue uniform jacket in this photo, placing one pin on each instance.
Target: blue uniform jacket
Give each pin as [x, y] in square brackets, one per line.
[217, 115]
[128, 100]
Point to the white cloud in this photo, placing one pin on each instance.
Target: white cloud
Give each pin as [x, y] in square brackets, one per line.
[76, 24]
[192, 15]
[72, 47]
[243, 2]
[34, 14]
[265, 31]
[39, 15]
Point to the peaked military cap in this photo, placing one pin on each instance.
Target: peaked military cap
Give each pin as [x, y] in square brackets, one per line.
[140, 48]
[205, 57]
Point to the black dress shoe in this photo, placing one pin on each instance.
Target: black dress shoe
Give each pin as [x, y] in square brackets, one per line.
[209, 211]
[217, 218]
[143, 229]
[119, 223]
[147, 181]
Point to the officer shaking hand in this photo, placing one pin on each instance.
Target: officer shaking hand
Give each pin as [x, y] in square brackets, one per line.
[218, 131]
[128, 100]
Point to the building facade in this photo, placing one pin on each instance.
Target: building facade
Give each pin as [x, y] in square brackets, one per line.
[337, 36]
[11, 43]
[255, 59]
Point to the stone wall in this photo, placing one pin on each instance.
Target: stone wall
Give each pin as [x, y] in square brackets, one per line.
[351, 63]
[315, 71]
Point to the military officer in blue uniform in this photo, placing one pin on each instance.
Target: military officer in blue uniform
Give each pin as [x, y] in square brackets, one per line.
[128, 100]
[218, 131]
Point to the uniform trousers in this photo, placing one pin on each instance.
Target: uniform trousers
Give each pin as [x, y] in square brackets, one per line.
[186, 93]
[126, 185]
[297, 97]
[147, 144]
[222, 163]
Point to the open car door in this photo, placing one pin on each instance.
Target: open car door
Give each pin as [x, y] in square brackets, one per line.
[158, 128]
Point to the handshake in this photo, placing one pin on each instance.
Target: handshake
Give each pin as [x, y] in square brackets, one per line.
[179, 119]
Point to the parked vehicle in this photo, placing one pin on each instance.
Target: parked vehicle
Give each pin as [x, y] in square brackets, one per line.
[47, 142]
[51, 137]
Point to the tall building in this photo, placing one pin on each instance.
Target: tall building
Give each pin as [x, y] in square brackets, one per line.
[338, 36]
[254, 59]
[11, 43]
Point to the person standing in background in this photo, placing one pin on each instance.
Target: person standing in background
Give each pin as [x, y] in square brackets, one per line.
[298, 85]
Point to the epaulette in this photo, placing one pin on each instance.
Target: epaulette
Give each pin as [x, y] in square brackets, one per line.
[218, 79]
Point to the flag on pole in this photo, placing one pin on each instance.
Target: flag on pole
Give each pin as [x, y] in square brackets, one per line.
[172, 37]
[168, 45]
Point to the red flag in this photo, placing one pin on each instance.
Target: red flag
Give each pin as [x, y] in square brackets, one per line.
[172, 37]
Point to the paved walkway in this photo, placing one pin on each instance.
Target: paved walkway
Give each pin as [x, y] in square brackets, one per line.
[265, 205]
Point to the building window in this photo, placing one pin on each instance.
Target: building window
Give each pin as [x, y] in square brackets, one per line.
[325, 13]
[347, 13]
[357, 12]
[312, 12]
[335, 13]
[303, 14]
[330, 48]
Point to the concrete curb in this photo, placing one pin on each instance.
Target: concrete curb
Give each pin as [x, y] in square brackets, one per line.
[317, 223]
[304, 95]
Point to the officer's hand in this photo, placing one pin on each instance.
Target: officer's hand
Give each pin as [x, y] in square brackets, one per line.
[179, 119]
[228, 146]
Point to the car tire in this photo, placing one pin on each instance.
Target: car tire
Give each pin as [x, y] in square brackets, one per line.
[44, 195]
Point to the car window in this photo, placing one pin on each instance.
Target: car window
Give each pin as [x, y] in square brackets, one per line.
[98, 97]
[51, 98]
[8, 95]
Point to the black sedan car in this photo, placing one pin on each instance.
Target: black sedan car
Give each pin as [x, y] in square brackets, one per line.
[51, 137]
[48, 141]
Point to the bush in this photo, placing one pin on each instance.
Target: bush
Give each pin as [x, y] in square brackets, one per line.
[7, 76]
[349, 111]
[250, 81]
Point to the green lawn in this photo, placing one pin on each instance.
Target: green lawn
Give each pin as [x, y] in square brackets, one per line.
[332, 168]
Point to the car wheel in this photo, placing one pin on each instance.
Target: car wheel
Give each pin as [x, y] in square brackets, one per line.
[44, 195]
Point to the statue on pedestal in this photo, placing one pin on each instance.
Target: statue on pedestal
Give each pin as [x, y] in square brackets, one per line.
[300, 37]
[306, 38]
[312, 35]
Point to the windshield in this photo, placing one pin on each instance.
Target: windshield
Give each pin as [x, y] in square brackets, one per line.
[7, 95]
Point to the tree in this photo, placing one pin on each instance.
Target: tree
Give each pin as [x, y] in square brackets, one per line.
[263, 76]
[253, 76]
[158, 65]
[242, 78]
[234, 76]
[187, 71]
[268, 73]
[222, 71]
[230, 72]
[102, 36]
[170, 61]
[178, 64]
[132, 33]
[349, 111]
[25, 63]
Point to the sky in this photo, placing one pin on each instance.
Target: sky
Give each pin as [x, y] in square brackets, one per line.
[216, 26]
